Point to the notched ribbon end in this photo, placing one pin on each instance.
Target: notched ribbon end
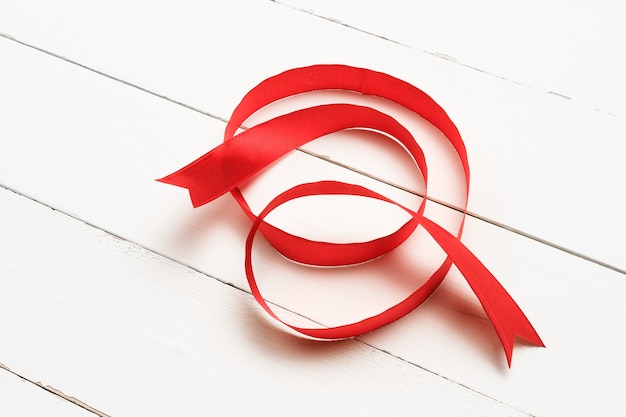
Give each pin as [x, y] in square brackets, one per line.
[195, 192]
[528, 334]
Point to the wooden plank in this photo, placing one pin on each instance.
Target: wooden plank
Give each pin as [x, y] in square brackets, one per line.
[21, 398]
[556, 47]
[130, 333]
[102, 143]
[536, 143]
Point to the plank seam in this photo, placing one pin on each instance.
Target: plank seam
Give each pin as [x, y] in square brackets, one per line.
[202, 273]
[57, 393]
[473, 215]
[119, 80]
[326, 159]
[400, 358]
[445, 57]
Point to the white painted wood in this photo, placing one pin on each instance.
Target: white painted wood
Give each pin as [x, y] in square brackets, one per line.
[563, 47]
[20, 398]
[131, 333]
[107, 179]
[208, 55]
[89, 146]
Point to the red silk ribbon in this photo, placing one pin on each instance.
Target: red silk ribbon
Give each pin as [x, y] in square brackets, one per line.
[241, 156]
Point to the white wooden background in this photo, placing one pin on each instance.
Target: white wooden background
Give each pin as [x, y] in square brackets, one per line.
[119, 299]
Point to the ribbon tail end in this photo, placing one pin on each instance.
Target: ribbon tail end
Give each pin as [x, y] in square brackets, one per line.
[196, 198]
[508, 341]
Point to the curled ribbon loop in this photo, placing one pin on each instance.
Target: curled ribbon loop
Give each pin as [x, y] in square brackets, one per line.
[242, 155]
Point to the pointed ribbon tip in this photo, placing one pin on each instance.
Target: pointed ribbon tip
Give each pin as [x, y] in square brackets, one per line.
[242, 156]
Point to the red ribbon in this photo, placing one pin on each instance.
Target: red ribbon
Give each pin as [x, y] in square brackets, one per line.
[243, 155]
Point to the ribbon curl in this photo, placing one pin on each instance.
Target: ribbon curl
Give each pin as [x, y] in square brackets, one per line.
[241, 156]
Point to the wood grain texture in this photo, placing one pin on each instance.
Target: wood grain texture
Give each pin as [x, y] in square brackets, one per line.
[114, 304]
